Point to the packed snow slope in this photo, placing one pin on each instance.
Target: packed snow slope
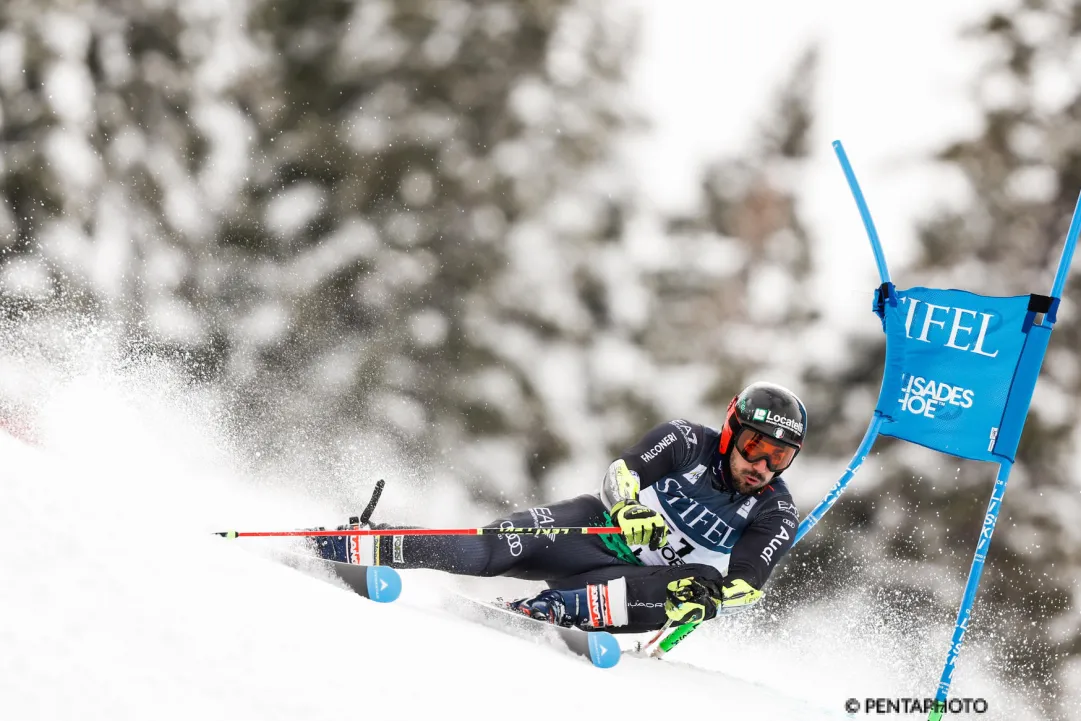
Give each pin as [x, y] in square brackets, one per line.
[115, 608]
[117, 602]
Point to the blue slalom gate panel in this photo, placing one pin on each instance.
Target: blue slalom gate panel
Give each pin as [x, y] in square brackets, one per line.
[953, 361]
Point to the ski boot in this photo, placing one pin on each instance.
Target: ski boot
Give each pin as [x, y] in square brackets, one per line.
[598, 605]
[582, 607]
[345, 549]
[359, 550]
[550, 606]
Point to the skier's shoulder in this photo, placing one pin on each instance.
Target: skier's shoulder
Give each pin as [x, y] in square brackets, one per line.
[682, 442]
[776, 498]
[693, 435]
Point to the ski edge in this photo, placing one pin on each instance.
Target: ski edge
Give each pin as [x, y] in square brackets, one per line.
[598, 647]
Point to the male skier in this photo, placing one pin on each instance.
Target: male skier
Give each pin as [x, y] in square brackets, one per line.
[704, 515]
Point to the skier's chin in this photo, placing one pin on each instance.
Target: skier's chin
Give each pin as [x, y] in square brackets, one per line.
[749, 483]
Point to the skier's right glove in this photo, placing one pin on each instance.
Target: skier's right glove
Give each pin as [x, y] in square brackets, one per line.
[640, 524]
[693, 600]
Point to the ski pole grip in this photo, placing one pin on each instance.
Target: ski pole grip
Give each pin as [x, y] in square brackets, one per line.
[669, 641]
[371, 504]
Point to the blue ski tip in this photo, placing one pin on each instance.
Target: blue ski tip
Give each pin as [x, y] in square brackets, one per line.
[603, 649]
[384, 584]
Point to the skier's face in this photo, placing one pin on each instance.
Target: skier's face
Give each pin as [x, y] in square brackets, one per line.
[748, 477]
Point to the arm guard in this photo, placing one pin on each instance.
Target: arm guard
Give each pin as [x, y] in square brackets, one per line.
[620, 486]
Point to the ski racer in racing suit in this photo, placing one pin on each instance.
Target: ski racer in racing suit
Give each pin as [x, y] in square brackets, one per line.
[704, 513]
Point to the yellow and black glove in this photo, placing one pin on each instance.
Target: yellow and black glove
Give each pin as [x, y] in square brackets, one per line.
[692, 600]
[640, 524]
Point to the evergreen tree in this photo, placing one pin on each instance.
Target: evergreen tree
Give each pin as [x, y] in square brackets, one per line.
[356, 215]
[737, 301]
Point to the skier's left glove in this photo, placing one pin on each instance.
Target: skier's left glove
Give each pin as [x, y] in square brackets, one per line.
[641, 525]
[693, 600]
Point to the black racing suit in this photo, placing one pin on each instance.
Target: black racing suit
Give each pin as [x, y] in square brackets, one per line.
[714, 532]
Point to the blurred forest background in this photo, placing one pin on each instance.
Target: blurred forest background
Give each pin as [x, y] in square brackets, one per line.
[403, 228]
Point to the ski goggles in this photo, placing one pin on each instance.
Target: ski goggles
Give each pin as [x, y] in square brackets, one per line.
[755, 446]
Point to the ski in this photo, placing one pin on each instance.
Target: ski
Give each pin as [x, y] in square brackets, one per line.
[378, 583]
[599, 647]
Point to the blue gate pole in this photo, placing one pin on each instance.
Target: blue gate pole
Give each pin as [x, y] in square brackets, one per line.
[871, 435]
[1066, 258]
[959, 629]
[865, 212]
[826, 503]
[995, 504]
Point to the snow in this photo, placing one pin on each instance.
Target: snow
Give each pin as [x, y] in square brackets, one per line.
[26, 278]
[115, 600]
[119, 603]
[293, 209]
